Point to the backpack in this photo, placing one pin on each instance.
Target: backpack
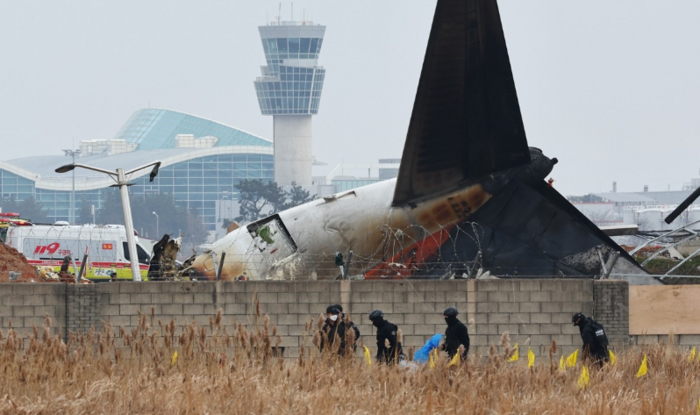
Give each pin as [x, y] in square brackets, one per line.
[600, 336]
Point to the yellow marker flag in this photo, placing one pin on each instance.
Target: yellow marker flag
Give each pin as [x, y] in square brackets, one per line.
[431, 361]
[571, 360]
[584, 379]
[530, 358]
[455, 360]
[174, 361]
[368, 357]
[516, 354]
[433, 358]
[643, 368]
[692, 354]
[613, 358]
[562, 366]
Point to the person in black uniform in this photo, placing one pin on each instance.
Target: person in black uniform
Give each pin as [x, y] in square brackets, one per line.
[386, 333]
[455, 335]
[350, 324]
[595, 342]
[334, 330]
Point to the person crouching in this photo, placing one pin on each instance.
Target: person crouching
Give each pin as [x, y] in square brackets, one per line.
[389, 348]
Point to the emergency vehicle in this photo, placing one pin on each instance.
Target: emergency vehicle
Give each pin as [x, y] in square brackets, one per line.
[105, 245]
[10, 218]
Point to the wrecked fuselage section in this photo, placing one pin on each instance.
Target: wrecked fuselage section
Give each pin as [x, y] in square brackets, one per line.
[521, 227]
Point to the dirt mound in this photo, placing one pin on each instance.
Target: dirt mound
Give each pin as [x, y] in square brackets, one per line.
[14, 266]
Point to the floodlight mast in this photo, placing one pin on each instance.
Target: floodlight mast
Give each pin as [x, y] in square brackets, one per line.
[121, 181]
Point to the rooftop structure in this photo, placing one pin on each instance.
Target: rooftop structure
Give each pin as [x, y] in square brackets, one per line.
[349, 176]
[154, 128]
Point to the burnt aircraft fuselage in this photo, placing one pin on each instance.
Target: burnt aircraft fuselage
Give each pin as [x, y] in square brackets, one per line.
[446, 235]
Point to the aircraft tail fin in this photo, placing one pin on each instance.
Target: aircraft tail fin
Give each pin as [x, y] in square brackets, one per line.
[466, 120]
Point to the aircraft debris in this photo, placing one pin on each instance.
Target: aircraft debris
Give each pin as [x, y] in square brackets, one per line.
[163, 265]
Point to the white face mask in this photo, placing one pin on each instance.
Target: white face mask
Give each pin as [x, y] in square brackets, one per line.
[334, 317]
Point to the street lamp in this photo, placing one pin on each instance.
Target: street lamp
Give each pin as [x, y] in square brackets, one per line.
[121, 181]
[157, 225]
[71, 214]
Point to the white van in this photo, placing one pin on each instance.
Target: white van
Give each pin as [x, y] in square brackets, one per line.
[47, 245]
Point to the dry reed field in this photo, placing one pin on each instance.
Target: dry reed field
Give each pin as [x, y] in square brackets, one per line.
[164, 368]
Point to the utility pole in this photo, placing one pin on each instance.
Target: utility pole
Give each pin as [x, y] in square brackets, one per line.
[157, 227]
[121, 179]
[71, 214]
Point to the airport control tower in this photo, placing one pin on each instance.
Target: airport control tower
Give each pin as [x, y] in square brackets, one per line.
[290, 90]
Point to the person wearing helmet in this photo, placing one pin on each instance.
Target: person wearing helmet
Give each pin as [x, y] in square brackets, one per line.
[456, 334]
[349, 324]
[333, 331]
[389, 348]
[595, 342]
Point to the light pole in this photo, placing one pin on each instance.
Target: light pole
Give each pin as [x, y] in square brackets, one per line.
[157, 226]
[71, 214]
[121, 181]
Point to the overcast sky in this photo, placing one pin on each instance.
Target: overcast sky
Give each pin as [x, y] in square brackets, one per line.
[610, 88]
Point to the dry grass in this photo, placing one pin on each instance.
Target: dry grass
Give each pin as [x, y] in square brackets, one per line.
[220, 372]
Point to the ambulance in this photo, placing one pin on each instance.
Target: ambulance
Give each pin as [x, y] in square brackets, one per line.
[11, 218]
[105, 245]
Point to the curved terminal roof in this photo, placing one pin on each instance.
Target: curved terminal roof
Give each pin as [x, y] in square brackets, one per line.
[41, 169]
[154, 128]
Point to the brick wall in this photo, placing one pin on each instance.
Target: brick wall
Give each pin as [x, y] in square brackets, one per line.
[538, 310]
[611, 309]
[82, 307]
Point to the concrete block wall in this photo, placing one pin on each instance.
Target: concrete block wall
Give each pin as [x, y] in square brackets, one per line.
[533, 311]
[289, 305]
[23, 306]
[538, 310]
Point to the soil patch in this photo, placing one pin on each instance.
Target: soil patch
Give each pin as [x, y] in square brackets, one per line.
[14, 266]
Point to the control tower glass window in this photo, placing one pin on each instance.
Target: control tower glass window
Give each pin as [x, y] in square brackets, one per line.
[292, 81]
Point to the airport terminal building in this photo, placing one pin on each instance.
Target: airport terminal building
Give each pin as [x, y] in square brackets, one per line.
[202, 161]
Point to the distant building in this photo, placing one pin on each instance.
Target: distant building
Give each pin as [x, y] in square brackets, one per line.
[647, 209]
[339, 181]
[290, 90]
[202, 161]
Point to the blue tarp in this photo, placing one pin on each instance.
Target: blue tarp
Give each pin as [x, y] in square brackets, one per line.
[422, 355]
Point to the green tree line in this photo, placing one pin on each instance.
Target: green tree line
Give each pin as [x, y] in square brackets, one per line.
[258, 199]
